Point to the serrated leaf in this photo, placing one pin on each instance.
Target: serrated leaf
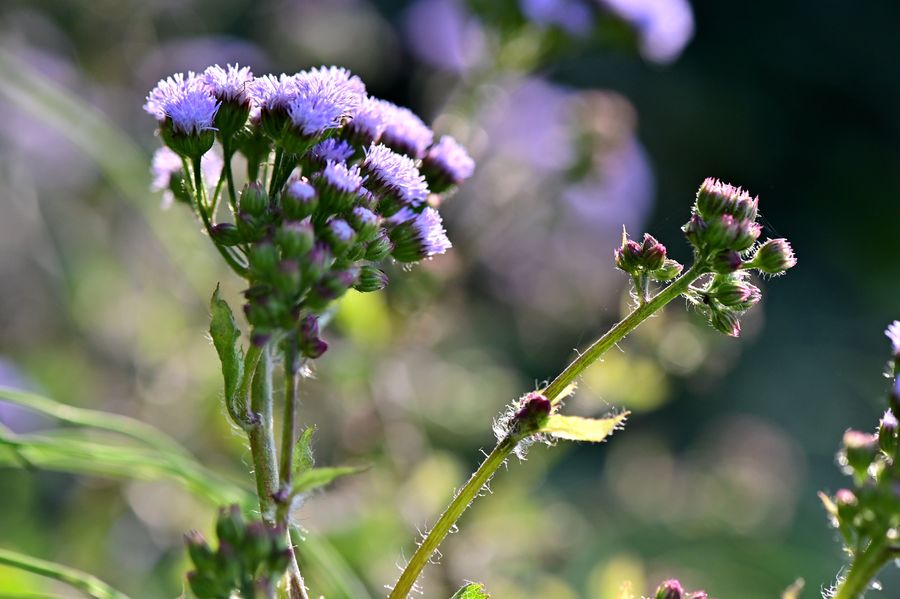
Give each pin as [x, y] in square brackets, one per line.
[319, 477]
[576, 428]
[225, 336]
[471, 591]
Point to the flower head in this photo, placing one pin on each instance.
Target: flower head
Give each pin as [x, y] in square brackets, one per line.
[447, 164]
[405, 132]
[228, 84]
[184, 100]
[369, 121]
[396, 176]
[342, 177]
[420, 237]
[331, 150]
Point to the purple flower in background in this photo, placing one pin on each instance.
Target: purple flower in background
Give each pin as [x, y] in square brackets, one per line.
[573, 16]
[664, 26]
[405, 132]
[184, 100]
[893, 333]
[395, 175]
[443, 33]
[228, 84]
[333, 150]
[167, 164]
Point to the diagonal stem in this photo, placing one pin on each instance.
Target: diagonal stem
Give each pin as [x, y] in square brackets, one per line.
[507, 445]
[865, 567]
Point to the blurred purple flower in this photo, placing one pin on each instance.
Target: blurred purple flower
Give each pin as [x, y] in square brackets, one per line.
[167, 163]
[893, 333]
[573, 16]
[664, 26]
[444, 34]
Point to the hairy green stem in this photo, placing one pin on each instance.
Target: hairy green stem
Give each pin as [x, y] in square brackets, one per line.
[88, 584]
[864, 568]
[289, 427]
[239, 407]
[262, 440]
[555, 389]
[507, 445]
[228, 153]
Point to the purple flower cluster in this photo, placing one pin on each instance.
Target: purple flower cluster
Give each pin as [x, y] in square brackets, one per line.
[351, 181]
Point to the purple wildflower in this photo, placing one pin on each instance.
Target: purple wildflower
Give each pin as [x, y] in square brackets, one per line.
[893, 333]
[572, 16]
[369, 121]
[889, 421]
[405, 132]
[331, 150]
[341, 229]
[320, 99]
[422, 237]
[269, 92]
[301, 189]
[446, 164]
[228, 84]
[363, 216]
[342, 177]
[184, 100]
[395, 175]
[663, 26]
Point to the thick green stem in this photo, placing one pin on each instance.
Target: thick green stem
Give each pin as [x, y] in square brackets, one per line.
[239, 406]
[289, 427]
[262, 439]
[864, 568]
[617, 333]
[506, 446]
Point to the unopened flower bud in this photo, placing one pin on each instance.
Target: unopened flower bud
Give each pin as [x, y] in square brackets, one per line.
[379, 248]
[628, 257]
[338, 186]
[263, 257]
[847, 505]
[287, 277]
[295, 239]
[339, 235]
[298, 200]
[206, 586]
[308, 340]
[726, 321]
[200, 552]
[226, 234]
[860, 449]
[726, 261]
[364, 222]
[774, 257]
[746, 234]
[653, 253]
[317, 262]
[670, 589]
[695, 231]
[254, 199]
[230, 525]
[735, 293]
[533, 411]
[371, 279]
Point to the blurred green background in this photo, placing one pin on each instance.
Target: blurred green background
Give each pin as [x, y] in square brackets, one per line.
[714, 480]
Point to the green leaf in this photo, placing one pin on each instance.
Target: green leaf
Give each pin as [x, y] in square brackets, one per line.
[319, 477]
[86, 583]
[471, 591]
[303, 456]
[226, 336]
[123, 425]
[576, 428]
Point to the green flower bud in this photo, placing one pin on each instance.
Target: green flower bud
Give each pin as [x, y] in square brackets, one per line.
[299, 200]
[379, 248]
[695, 231]
[371, 279]
[207, 586]
[230, 525]
[263, 259]
[735, 293]
[254, 199]
[226, 234]
[653, 253]
[295, 238]
[725, 321]
[726, 261]
[191, 145]
[287, 277]
[774, 257]
[887, 433]
[860, 450]
[670, 589]
[200, 552]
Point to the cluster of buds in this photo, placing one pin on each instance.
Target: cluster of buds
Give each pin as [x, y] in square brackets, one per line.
[353, 181]
[724, 298]
[250, 559]
[672, 589]
[645, 262]
[871, 509]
